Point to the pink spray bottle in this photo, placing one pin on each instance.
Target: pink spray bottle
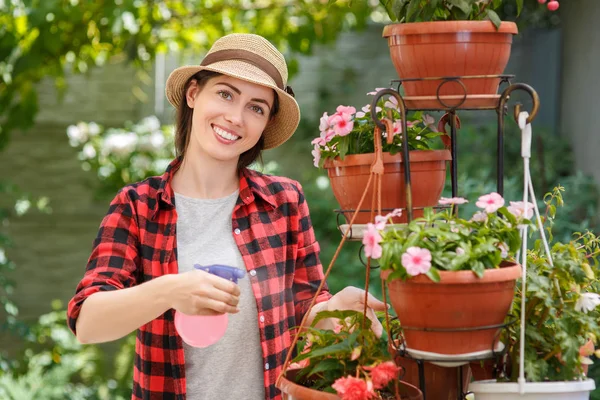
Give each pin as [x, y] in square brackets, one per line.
[206, 330]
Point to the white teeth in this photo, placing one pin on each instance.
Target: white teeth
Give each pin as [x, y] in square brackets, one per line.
[224, 134]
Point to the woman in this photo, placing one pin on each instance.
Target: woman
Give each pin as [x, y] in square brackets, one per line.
[208, 208]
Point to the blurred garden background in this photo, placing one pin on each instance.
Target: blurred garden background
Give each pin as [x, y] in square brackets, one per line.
[83, 112]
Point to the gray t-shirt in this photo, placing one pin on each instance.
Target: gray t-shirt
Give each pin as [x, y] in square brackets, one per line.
[231, 368]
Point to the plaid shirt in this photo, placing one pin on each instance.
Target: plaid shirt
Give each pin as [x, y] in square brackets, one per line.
[136, 243]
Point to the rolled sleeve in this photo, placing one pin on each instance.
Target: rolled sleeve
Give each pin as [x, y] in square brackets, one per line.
[309, 271]
[114, 259]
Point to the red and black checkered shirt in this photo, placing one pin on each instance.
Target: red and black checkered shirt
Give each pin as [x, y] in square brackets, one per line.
[136, 242]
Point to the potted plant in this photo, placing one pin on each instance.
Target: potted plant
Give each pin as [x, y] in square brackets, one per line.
[345, 148]
[348, 362]
[451, 280]
[561, 321]
[450, 38]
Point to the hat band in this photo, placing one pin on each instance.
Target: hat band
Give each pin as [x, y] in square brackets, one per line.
[249, 57]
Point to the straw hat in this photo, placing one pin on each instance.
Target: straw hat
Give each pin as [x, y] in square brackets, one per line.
[254, 59]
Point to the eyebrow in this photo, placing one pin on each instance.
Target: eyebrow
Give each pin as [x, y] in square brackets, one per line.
[238, 91]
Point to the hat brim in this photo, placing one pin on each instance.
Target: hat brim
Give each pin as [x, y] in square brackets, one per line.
[278, 130]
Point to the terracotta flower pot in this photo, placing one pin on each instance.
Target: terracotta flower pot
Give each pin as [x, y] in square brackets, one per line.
[293, 391]
[449, 49]
[349, 178]
[459, 300]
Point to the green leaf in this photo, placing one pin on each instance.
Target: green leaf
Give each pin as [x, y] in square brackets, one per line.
[492, 16]
[478, 268]
[413, 9]
[519, 6]
[433, 274]
[463, 5]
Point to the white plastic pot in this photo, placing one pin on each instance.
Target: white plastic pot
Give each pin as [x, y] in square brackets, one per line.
[492, 390]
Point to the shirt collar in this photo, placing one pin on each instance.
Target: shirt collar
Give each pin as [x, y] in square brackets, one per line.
[251, 184]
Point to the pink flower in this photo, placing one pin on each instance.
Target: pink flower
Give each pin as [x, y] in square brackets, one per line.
[391, 103]
[317, 155]
[517, 208]
[328, 135]
[397, 128]
[365, 110]
[479, 216]
[375, 92]
[416, 260]
[319, 141]
[324, 122]
[490, 202]
[299, 365]
[346, 110]
[337, 328]
[383, 373]
[341, 125]
[356, 353]
[371, 240]
[460, 251]
[429, 122]
[453, 200]
[381, 221]
[351, 388]
[503, 247]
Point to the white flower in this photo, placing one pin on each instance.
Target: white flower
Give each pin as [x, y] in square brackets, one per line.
[141, 163]
[2, 257]
[88, 151]
[22, 206]
[460, 251]
[151, 123]
[587, 302]
[77, 135]
[120, 143]
[93, 128]
[479, 216]
[322, 182]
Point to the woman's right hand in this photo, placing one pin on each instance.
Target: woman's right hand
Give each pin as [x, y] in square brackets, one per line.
[200, 293]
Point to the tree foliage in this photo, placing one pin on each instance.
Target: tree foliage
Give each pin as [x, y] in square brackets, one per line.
[49, 38]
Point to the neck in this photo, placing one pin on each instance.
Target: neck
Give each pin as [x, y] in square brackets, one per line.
[206, 179]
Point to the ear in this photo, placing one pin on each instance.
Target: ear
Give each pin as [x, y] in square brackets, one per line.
[191, 93]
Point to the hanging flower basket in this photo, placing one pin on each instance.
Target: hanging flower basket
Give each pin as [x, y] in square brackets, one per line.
[294, 391]
[492, 390]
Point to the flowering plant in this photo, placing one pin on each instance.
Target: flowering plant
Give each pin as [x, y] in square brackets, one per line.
[120, 156]
[443, 241]
[348, 131]
[561, 306]
[349, 360]
[451, 10]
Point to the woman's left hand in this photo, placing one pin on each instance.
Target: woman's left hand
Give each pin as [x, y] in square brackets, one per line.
[353, 298]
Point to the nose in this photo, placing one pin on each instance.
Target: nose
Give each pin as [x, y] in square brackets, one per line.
[234, 115]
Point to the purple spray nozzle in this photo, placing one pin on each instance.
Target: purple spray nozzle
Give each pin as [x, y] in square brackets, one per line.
[223, 271]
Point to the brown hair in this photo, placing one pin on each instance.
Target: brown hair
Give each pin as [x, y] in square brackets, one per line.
[183, 125]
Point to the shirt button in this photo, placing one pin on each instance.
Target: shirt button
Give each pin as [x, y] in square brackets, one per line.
[237, 231]
[253, 273]
[267, 366]
[262, 318]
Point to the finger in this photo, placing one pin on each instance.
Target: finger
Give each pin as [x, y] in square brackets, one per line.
[219, 307]
[376, 304]
[220, 283]
[376, 326]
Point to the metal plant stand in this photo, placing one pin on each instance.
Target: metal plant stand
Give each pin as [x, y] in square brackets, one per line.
[499, 103]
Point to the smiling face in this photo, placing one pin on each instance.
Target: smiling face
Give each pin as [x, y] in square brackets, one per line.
[229, 117]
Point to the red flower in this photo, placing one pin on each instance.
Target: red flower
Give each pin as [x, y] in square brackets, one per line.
[383, 373]
[351, 388]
